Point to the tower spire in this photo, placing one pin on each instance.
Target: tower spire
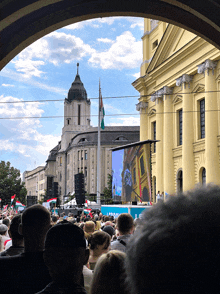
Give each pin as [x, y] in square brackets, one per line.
[77, 68]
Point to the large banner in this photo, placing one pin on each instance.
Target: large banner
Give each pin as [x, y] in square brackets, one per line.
[131, 166]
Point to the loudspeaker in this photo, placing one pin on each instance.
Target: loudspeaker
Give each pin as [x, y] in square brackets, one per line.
[79, 189]
[55, 192]
[31, 200]
[134, 202]
[49, 188]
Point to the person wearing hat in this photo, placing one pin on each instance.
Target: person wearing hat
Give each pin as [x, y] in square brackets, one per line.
[3, 237]
[65, 254]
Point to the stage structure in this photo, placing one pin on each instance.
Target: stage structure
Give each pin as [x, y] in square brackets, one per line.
[131, 171]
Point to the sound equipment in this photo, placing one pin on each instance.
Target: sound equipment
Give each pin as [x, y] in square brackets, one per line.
[31, 200]
[79, 189]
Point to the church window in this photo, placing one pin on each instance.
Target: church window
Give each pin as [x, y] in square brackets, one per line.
[202, 118]
[85, 172]
[142, 165]
[85, 154]
[180, 125]
[203, 176]
[154, 136]
[78, 155]
[68, 159]
[61, 161]
[79, 114]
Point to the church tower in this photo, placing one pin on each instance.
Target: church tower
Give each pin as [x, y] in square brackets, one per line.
[76, 111]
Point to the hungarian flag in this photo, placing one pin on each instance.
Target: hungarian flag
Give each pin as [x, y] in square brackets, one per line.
[87, 210]
[101, 109]
[5, 207]
[12, 198]
[52, 200]
[19, 204]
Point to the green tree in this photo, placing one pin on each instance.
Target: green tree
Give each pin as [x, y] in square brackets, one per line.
[10, 184]
[108, 190]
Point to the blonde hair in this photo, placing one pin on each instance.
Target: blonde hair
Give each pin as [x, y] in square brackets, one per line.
[109, 274]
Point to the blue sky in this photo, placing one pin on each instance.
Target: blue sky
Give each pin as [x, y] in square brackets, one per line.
[109, 49]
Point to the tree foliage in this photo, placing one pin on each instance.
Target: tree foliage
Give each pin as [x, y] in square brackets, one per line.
[10, 184]
[108, 190]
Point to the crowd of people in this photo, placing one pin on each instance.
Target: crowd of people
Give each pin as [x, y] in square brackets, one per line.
[173, 248]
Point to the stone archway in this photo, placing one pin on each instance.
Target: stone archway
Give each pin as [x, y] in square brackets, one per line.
[23, 22]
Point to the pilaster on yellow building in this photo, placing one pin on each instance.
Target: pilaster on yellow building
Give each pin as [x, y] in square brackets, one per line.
[179, 106]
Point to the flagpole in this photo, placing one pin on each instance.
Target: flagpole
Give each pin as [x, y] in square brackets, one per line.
[98, 151]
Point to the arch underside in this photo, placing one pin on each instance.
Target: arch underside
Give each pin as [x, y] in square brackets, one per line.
[23, 22]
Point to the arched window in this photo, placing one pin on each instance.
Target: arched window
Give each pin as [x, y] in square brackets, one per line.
[203, 176]
[145, 195]
[179, 181]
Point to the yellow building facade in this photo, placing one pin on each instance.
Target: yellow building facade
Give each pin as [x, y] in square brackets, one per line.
[179, 106]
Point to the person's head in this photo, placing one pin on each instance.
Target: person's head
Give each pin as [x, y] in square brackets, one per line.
[6, 222]
[125, 224]
[89, 227]
[3, 229]
[109, 229]
[109, 274]
[13, 231]
[35, 222]
[65, 252]
[53, 219]
[99, 242]
[178, 243]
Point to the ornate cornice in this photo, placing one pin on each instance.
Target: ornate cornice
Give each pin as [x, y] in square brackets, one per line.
[183, 80]
[141, 105]
[207, 65]
[160, 93]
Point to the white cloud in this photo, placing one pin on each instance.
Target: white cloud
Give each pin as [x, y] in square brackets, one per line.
[136, 75]
[105, 40]
[136, 22]
[58, 48]
[22, 135]
[29, 67]
[55, 48]
[126, 52]
[126, 121]
[66, 48]
[8, 73]
[7, 85]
